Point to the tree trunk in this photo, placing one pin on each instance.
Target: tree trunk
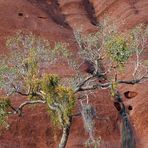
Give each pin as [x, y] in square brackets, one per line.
[65, 134]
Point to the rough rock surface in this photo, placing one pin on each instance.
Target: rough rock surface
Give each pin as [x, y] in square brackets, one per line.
[56, 21]
[126, 13]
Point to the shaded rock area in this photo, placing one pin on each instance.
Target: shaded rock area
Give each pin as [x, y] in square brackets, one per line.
[56, 20]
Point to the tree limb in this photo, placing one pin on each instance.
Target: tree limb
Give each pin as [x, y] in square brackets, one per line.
[93, 87]
[21, 93]
[132, 82]
[29, 102]
[83, 83]
[108, 84]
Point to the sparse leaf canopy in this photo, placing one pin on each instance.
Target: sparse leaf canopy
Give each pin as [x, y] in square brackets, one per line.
[118, 49]
[21, 74]
[89, 46]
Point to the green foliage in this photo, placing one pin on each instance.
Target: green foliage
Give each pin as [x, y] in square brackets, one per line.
[49, 83]
[114, 86]
[4, 104]
[118, 50]
[61, 97]
[66, 100]
[22, 71]
[93, 143]
[28, 54]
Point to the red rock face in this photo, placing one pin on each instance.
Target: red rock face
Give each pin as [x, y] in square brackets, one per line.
[56, 21]
[126, 13]
[76, 15]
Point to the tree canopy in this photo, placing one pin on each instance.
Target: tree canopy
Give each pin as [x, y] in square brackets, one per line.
[107, 52]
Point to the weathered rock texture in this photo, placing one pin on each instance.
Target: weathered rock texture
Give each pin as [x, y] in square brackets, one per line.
[126, 13]
[56, 21]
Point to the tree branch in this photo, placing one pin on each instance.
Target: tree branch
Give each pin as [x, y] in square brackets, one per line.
[83, 83]
[21, 93]
[93, 87]
[108, 84]
[30, 102]
[132, 82]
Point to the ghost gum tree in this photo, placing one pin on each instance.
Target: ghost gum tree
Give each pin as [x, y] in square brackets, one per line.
[21, 74]
[107, 52]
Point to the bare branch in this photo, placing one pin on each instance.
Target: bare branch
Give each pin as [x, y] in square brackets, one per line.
[29, 102]
[21, 93]
[79, 87]
[107, 85]
[93, 87]
[132, 82]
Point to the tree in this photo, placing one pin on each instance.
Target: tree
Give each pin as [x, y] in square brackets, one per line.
[21, 73]
[108, 51]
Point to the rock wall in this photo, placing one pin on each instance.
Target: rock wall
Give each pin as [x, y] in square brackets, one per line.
[76, 15]
[127, 13]
[56, 20]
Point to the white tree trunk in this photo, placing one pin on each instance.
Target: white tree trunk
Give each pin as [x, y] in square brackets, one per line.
[65, 135]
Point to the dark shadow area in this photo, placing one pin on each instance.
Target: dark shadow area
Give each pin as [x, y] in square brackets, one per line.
[130, 107]
[90, 12]
[20, 14]
[89, 67]
[52, 10]
[117, 106]
[130, 94]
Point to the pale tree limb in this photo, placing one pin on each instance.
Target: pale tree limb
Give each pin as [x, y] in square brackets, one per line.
[19, 109]
[65, 134]
[26, 103]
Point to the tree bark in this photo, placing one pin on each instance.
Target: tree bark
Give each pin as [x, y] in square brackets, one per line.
[65, 135]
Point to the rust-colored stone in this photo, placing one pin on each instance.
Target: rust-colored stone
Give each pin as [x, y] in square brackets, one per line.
[34, 129]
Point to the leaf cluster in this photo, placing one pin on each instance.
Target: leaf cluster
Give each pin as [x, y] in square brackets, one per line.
[117, 49]
[4, 105]
[61, 97]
